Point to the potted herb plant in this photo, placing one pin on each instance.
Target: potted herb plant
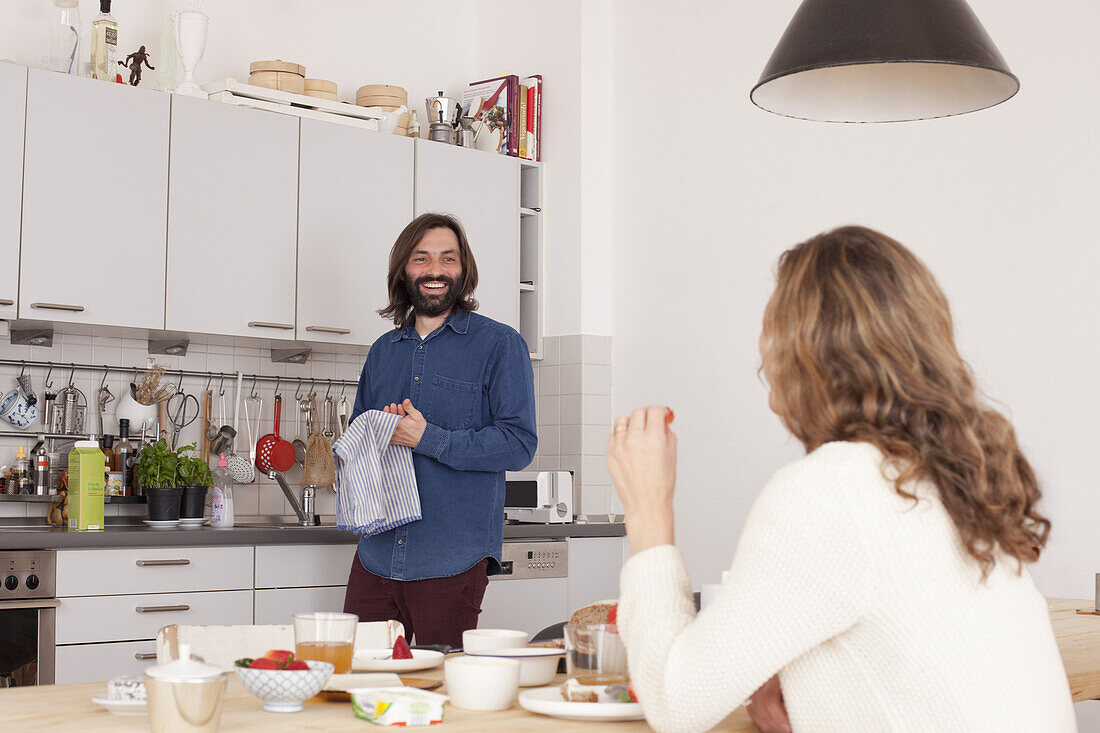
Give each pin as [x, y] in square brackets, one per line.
[157, 473]
[195, 478]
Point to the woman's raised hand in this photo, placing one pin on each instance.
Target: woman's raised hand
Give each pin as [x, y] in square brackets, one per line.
[641, 456]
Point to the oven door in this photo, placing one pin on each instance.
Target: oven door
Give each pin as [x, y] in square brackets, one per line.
[27, 641]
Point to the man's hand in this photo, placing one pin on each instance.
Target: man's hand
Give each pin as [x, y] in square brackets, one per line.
[410, 428]
[767, 709]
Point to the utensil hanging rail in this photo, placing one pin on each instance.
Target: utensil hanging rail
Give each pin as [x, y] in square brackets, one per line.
[175, 372]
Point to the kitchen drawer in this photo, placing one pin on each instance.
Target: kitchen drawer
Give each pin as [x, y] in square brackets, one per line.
[299, 566]
[153, 570]
[117, 618]
[96, 662]
[278, 606]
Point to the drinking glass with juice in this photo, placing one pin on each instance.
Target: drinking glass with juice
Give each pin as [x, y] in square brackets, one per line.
[326, 637]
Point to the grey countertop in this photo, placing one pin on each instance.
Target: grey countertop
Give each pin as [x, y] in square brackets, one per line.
[42, 537]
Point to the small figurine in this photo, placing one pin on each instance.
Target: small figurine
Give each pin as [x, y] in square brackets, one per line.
[134, 62]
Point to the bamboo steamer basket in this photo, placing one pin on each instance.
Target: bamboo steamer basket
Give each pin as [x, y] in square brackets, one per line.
[283, 76]
[381, 95]
[322, 89]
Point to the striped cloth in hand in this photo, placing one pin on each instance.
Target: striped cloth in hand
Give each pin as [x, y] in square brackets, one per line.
[375, 482]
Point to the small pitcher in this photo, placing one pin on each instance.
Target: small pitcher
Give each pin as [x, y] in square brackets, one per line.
[185, 695]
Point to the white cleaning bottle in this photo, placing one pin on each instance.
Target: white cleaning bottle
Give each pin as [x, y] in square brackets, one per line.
[221, 500]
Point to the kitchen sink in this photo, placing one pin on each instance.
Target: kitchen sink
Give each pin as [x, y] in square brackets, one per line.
[281, 525]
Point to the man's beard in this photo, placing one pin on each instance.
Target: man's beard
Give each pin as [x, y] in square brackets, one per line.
[431, 306]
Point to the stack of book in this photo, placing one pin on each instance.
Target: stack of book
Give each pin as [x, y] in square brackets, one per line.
[509, 110]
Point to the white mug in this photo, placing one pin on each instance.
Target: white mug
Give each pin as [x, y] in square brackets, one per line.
[15, 409]
[481, 683]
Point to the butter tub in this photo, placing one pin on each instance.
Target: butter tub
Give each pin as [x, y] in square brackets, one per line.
[402, 706]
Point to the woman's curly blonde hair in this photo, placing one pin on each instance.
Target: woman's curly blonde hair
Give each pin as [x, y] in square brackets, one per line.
[860, 347]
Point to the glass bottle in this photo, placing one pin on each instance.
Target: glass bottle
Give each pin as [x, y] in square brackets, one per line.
[124, 457]
[105, 44]
[64, 50]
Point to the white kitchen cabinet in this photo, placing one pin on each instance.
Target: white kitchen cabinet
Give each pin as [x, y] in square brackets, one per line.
[153, 570]
[278, 606]
[300, 566]
[355, 197]
[122, 618]
[232, 220]
[98, 662]
[95, 194]
[482, 190]
[13, 90]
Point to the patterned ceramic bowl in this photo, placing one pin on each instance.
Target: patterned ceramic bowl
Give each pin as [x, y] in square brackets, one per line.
[284, 690]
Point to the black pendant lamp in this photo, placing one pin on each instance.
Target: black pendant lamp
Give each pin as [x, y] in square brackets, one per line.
[883, 61]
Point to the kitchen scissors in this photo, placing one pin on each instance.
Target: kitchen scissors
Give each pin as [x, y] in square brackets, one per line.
[183, 409]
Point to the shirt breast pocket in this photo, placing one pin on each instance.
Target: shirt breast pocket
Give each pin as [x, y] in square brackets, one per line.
[451, 403]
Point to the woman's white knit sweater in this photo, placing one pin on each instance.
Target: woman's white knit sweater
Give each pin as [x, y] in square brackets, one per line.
[867, 606]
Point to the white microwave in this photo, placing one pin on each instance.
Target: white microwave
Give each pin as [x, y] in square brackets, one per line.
[543, 497]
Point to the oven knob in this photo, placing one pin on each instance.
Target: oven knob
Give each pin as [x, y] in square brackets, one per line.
[11, 582]
[32, 582]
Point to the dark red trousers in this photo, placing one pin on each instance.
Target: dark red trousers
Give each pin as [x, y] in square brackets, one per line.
[436, 610]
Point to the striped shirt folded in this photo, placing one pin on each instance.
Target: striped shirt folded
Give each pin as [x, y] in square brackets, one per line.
[375, 482]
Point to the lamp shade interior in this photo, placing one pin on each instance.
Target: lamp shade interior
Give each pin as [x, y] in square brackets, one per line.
[884, 92]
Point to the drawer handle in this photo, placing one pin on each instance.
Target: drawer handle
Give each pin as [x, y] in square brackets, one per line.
[58, 307]
[328, 329]
[160, 609]
[159, 563]
[142, 656]
[5, 301]
[264, 324]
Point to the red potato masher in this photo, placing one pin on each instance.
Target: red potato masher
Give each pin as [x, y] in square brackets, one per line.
[273, 453]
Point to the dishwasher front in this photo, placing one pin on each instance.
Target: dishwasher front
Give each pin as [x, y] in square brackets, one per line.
[532, 592]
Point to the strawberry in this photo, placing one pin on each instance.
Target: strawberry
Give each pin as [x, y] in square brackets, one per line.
[613, 614]
[670, 417]
[264, 663]
[297, 664]
[281, 657]
[630, 691]
[401, 649]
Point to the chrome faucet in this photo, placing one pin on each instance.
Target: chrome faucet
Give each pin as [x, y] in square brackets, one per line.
[304, 507]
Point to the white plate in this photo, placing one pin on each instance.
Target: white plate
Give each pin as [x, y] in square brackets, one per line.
[548, 701]
[366, 660]
[121, 707]
[193, 522]
[162, 524]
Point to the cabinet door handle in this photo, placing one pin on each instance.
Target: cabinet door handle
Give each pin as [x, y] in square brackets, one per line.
[158, 563]
[58, 307]
[5, 301]
[160, 609]
[142, 656]
[328, 329]
[264, 324]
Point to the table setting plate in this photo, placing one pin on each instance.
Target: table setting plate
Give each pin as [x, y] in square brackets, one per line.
[121, 707]
[379, 660]
[548, 701]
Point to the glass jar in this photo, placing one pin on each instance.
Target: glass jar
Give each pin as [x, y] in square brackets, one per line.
[64, 50]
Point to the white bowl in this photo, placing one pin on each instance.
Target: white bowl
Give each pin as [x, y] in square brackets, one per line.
[537, 665]
[481, 683]
[483, 640]
[283, 690]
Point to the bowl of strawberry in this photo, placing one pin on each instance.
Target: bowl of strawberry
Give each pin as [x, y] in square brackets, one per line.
[282, 681]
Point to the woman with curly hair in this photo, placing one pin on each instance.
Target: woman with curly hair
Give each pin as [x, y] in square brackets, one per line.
[880, 581]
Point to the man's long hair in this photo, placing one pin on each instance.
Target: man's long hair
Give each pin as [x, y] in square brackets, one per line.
[400, 307]
[859, 347]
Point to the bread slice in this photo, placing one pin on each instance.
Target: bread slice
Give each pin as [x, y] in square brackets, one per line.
[594, 613]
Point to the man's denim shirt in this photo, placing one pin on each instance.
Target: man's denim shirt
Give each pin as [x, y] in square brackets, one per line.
[472, 380]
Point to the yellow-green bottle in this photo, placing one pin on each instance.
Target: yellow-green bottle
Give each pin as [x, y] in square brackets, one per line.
[86, 486]
[105, 44]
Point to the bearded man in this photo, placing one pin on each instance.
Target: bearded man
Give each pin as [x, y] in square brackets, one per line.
[464, 388]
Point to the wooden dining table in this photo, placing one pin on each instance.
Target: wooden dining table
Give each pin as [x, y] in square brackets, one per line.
[70, 707]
